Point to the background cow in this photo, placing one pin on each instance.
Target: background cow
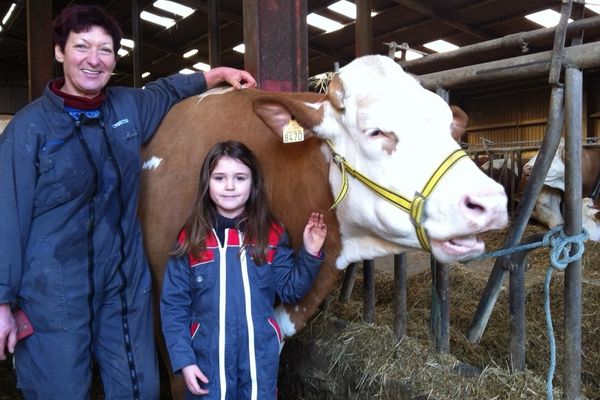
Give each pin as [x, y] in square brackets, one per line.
[379, 119]
[548, 206]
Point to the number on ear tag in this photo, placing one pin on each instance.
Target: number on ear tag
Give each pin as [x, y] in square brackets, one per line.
[293, 132]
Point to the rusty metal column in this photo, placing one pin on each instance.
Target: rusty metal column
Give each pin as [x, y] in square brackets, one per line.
[214, 34]
[136, 36]
[573, 189]
[40, 49]
[364, 32]
[276, 40]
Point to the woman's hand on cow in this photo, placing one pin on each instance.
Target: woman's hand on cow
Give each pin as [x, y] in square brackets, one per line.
[315, 233]
[191, 376]
[235, 77]
[8, 331]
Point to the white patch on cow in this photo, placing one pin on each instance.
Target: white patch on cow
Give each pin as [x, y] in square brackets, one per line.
[217, 90]
[286, 325]
[589, 218]
[547, 207]
[152, 163]
[314, 106]
[556, 174]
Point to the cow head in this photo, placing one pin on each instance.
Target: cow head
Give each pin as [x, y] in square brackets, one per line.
[389, 128]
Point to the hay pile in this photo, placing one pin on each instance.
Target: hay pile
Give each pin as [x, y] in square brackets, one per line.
[370, 353]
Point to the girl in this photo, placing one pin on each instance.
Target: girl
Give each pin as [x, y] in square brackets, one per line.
[231, 259]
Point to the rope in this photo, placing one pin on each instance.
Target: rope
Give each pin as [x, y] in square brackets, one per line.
[560, 257]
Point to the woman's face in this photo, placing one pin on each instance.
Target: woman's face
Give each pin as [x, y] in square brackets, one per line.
[88, 61]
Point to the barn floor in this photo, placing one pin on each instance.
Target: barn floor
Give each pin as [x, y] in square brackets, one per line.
[341, 354]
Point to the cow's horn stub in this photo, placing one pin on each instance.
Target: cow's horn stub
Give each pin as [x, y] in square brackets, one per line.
[335, 92]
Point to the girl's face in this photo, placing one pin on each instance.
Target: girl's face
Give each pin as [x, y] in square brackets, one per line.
[230, 185]
[88, 61]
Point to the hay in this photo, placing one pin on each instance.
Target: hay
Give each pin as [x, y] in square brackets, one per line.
[370, 350]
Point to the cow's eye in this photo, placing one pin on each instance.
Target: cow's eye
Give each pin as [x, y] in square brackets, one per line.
[374, 132]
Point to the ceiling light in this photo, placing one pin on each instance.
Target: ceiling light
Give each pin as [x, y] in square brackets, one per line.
[122, 52]
[240, 48]
[546, 18]
[440, 46]
[187, 71]
[202, 66]
[8, 13]
[326, 24]
[174, 8]
[410, 54]
[127, 43]
[594, 8]
[157, 19]
[145, 75]
[190, 53]
[344, 7]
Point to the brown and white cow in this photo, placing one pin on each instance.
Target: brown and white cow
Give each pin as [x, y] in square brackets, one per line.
[379, 119]
[547, 209]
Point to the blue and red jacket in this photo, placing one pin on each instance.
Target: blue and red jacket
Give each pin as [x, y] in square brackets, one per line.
[217, 311]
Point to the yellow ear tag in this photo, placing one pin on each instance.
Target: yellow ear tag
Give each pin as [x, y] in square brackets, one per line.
[293, 132]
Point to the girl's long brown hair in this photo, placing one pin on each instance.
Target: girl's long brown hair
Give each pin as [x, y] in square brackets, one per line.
[256, 218]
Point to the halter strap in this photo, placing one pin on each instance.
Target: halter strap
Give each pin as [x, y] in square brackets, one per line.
[413, 207]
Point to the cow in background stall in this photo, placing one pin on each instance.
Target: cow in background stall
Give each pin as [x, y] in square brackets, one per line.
[548, 206]
[4, 120]
[379, 122]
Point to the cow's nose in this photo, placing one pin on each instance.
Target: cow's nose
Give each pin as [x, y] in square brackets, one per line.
[485, 209]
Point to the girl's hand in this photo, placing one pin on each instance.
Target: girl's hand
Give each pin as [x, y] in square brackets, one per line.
[191, 376]
[315, 233]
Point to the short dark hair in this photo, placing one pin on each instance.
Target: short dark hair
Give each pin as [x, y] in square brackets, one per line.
[78, 18]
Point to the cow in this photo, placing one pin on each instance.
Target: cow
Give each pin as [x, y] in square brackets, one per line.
[4, 120]
[548, 207]
[375, 121]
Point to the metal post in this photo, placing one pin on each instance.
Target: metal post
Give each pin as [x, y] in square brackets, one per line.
[348, 283]
[573, 278]
[530, 193]
[214, 34]
[136, 36]
[400, 295]
[440, 307]
[40, 51]
[369, 291]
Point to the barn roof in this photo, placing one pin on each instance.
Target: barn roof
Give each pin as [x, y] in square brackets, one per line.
[414, 23]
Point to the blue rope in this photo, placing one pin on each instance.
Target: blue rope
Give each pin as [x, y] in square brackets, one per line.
[560, 250]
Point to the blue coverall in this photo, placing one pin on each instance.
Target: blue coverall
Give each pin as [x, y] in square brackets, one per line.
[217, 312]
[71, 252]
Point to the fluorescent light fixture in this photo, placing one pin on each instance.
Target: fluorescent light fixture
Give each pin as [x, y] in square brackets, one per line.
[122, 52]
[440, 46]
[594, 8]
[546, 18]
[187, 71]
[174, 8]
[1, 28]
[240, 48]
[8, 13]
[410, 55]
[190, 53]
[157, 19]
[127, 43]
[326, 24]
[202, 66]
[145, 75]
[346, 9]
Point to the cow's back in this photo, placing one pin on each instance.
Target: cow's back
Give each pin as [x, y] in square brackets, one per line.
[295, 174]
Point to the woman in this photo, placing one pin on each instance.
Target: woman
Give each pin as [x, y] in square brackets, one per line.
[71, 253]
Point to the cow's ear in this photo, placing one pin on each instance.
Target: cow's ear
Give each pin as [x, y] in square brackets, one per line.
[460, 121]
[278, 110]
[335, 92]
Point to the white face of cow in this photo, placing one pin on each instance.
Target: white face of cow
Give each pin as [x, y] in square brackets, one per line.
[397, 133]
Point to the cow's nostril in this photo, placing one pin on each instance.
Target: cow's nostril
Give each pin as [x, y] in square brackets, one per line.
[473, 205]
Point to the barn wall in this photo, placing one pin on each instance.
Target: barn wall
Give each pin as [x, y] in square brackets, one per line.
[518, 119]
[14, 93]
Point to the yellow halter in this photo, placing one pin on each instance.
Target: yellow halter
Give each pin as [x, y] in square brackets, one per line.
[415, 207]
